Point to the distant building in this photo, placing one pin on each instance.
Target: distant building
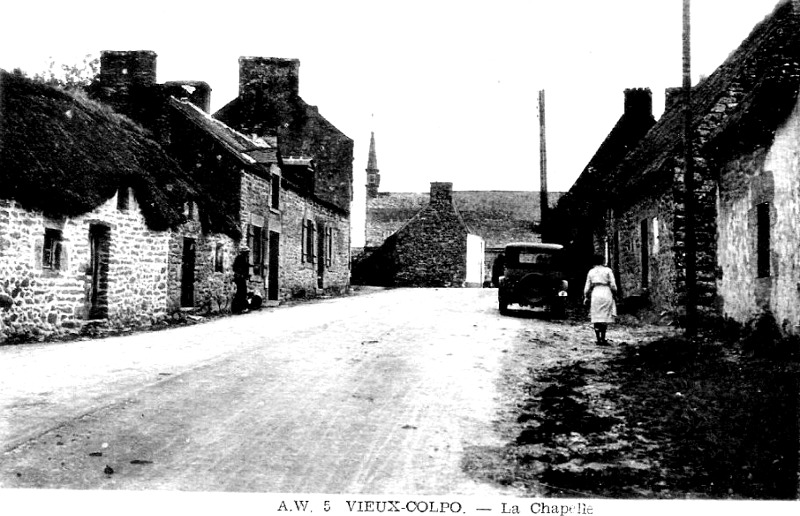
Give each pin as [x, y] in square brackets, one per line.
[433, 248]
[497, 217]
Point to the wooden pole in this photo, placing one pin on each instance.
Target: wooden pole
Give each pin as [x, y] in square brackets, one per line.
[542, 162]
[690, 256]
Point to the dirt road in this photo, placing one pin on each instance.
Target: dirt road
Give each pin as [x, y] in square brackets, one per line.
[380, 393]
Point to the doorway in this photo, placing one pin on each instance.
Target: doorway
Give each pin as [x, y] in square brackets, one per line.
[99, 244]
[187, 273]
[274, 264]
[321, 254]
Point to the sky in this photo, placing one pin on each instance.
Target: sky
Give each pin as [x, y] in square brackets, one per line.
[450, 87]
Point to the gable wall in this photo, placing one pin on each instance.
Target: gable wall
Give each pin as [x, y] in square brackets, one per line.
[432, 249]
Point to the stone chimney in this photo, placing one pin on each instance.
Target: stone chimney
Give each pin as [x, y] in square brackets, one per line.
[124, 76]
[196, 92]
[441, 193]
[121, 69]
[269, 76]
[638, 102]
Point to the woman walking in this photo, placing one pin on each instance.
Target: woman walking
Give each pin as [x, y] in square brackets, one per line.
[600, 289]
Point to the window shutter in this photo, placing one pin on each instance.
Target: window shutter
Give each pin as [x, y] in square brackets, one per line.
[313, 243]
[250, 245]
[303, 251]
[57, 255]
[328, 246]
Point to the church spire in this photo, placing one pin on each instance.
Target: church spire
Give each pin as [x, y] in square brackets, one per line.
[373, 176]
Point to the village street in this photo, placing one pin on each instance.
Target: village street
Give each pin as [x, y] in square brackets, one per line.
[377, 393]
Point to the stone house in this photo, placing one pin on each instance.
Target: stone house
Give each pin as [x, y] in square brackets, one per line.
[433, 248]
[496, 216]
[85, 211]
[269, 105]
[317, 160]
[744, 148]
[755, 155]
[250, 194]
[580, 218]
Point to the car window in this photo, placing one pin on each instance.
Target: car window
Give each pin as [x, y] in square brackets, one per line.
[532, 258]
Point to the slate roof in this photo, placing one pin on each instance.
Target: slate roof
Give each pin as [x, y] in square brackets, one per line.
[302, 131]
[250, 150]
[64, 155]
[498, 217]
[765, 69]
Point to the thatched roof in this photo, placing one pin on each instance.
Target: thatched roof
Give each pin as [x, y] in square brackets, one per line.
[765, 69]
[64, 155]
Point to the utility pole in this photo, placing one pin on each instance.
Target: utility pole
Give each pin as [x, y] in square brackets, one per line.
[542, 163]
[690, 256]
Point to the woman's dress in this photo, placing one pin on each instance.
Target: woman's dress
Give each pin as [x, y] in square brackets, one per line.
[600, 282]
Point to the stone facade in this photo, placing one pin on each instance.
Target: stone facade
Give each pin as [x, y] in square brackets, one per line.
[325, 266]
[745, 126]
[766, 177]
[269, 105]
[430, 250]
[210, 257]
[47, 285]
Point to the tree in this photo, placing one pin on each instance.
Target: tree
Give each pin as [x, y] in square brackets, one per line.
[72, 77]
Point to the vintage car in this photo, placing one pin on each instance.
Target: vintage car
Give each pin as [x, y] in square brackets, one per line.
[533, 276]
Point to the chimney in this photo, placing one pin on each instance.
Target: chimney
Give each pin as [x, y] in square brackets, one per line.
[638, 102]
[124, 75]
[441, 193]
[121, 69]
[269, 76]
[196, 92]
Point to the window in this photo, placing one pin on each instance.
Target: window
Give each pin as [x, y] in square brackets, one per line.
[763, 244]
[51, 252]
[255, 241]
[276, 192]
[219, 254]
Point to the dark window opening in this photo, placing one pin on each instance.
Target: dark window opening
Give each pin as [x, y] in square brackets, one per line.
[255, 241]
[763, 244]
[51, 253]
[219, 254]
[276, 191]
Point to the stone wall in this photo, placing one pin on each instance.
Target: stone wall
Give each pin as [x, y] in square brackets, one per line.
[431, 250]
[764, 176]
[298, 276]
[213, 276]
[659, 292]
[37, 302]
[255, 211]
